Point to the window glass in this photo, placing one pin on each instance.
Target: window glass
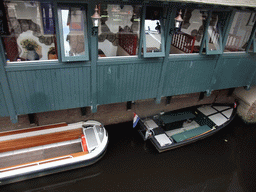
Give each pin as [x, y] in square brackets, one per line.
[187, 38]
[153, 37]
[240, 31]
[31, 31]
[73, 33]
[215, 31]
[119, 30]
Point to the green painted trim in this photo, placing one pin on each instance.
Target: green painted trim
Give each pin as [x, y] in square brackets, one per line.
[254, 45]
[44, 67]
[5, 86]
[227, 29]
[220, 48]
[142, 16]
[170, 25]
[94, 58]
[252, 39]
[205, 36]
[125, 61]
[57, 29]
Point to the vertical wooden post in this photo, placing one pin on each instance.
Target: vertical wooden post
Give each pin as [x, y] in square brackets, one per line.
[94, 57]
[170, 27]
[5, 86]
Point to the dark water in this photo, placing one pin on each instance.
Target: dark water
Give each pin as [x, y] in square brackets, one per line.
[225, 161]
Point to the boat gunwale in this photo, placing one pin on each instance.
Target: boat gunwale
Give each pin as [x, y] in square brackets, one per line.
[44, 161]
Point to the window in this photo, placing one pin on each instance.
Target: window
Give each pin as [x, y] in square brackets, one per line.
[214, 32]
[252, 44]
[31, 31]
[188, 38]
[153, 36]
[240, 31]
[119, 30]
[73, 33]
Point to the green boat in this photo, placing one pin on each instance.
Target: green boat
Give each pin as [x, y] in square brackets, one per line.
[169, 130]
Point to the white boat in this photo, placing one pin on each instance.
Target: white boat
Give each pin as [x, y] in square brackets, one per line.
[38, 151]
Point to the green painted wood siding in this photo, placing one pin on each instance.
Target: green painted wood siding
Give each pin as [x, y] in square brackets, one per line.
[118, 80]
[127, 82]
[3, 107]
[188, 76]
[234, 71]
[51, 89]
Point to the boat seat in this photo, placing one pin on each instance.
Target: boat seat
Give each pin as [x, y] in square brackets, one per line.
[27, 142]
[190, 133]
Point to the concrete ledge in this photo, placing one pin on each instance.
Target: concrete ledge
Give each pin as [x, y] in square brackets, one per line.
[247, 103]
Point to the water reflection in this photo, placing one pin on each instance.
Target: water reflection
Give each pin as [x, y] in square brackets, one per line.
[223, 162]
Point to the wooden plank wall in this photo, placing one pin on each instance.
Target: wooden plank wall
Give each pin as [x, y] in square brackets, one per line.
[127, 82]
[50, 89]
[235, 71]
[3, 107]
[70, 87]
[188, 76]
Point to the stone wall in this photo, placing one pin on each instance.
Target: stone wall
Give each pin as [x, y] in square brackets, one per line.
[117, 112]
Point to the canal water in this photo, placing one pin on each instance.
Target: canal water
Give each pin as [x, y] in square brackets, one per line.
[225, 161]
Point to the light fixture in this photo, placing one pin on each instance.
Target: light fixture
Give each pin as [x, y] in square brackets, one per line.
[95, 18]
[178, 20]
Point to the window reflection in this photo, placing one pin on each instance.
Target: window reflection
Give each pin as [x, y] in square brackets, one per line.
[240, 31]
[187, 39]
[214, 33]
[73, 31]
[31, 34]
[153, 35]
[119, 30]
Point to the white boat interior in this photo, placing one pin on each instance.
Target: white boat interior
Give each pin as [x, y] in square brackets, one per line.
[40, 145]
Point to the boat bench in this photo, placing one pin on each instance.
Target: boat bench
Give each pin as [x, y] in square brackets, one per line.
[190, 133]
[45, 139]
[173, 120]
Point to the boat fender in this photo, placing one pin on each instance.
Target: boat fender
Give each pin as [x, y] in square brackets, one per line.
[84, 146]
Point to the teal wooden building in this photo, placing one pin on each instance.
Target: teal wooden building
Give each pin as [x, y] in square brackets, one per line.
[54, 57]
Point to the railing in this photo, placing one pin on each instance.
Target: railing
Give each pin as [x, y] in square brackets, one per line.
[184, 42]
[233, 43]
